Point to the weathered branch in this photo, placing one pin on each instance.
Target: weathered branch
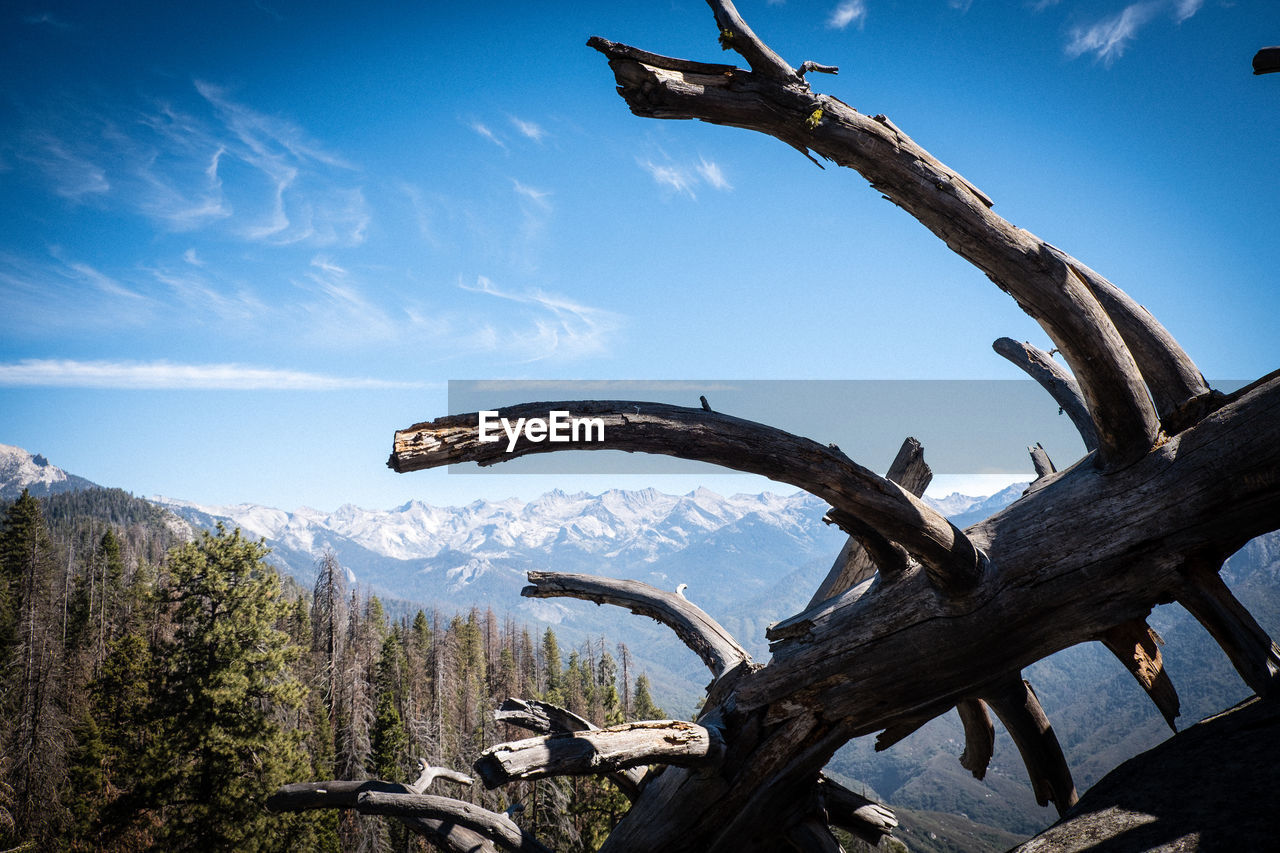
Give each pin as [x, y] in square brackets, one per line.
[541, 717]
[1177, 387]
[1136, 645]
[1016, 705]
[717, 648]
[447, 835]
[1247, 645]
[979, 736]
[428, 774]
[1041, 367]
[1045, 283]
[953, 564]
[1040, 461]
[497, 828]
[737, 36]
[854, 563]
[865, 818]
[601, 751]
[890, 559]
[545, 718]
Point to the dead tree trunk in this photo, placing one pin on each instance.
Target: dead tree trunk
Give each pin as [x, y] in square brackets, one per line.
[1177, 478]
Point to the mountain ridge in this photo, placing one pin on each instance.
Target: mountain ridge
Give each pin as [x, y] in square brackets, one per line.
[20, 469]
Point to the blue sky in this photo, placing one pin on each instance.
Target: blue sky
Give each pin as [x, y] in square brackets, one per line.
[246, 241]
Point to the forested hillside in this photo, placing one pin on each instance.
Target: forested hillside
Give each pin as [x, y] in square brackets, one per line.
[158, 685]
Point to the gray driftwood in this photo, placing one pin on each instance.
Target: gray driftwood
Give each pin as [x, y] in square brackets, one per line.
[1177, 477]
[600, 751]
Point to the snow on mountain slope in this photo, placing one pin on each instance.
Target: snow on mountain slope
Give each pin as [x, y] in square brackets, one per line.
[22, 470]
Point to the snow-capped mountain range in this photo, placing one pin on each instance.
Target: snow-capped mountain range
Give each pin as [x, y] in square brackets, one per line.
[747, 559]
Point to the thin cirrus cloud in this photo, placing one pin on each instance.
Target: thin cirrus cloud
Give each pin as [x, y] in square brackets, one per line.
[848, 13]
[684, 179]
[530, 129]
[540, 198]
[559, 328]
[485, 131]
[210, 161]
[168, 376]
[1107, 39]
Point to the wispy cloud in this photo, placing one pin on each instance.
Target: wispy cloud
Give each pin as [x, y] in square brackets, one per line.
[41, 294]
[211, 163]
[529, 129]
[960, 6]
[70, 173]
[713, 174]
[559, 328]
[194, 297]
[847, 13]
[674, 178]
[1184, 9]
[164, 375]
[483, 129]
[1108, 38]
[537, 196]
[683, 179]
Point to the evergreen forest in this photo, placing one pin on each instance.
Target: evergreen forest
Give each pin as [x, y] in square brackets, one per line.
[157, 688]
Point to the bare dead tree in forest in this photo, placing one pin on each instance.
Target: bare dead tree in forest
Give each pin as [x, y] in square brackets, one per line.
[916, 617]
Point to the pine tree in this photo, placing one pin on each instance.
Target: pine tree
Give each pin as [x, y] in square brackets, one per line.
[388, 738]
[552, 686]
[227, 686]
[35, 737]
[642, 707]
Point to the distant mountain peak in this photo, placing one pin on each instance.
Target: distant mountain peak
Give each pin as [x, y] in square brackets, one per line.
[34, 472]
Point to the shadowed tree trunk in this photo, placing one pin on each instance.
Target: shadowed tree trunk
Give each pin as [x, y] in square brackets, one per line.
[916, 617]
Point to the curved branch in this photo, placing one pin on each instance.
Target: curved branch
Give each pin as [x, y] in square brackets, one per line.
[1041, 367]
[979, 736]
[497, 828]
[545, 718]
[717, 648]
[1251, 651]
[1136, 645]
[1043, 283]
[336, 794]
[854, 563]
[952, 561]
[736, 35]
[1016, 705]
[865, 818]
[1177, 386]
[601, 751]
